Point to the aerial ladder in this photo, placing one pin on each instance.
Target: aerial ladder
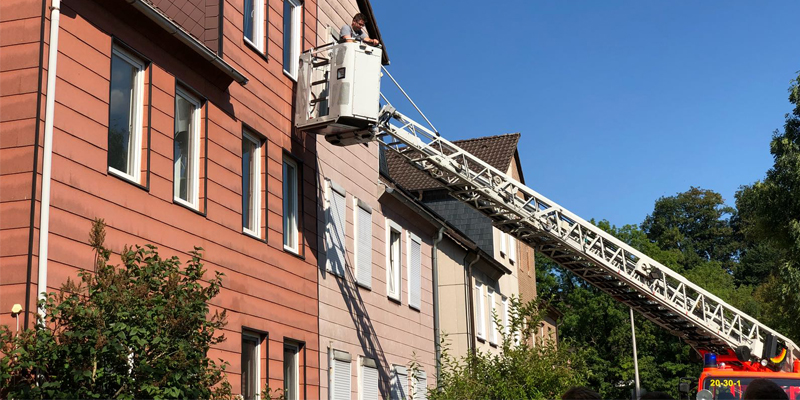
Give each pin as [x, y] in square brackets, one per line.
[339, 97]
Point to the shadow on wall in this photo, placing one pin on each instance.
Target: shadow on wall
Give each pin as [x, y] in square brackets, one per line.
[367, 337]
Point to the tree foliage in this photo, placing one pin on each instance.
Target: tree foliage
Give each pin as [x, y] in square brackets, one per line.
[140, 330]
[519, 371]
[770, 219]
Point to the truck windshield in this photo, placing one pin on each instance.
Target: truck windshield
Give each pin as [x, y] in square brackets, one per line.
[732, 388]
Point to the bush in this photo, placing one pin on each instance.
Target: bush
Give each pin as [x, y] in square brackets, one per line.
[134, 331]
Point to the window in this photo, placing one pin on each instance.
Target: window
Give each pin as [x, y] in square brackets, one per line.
[291, 385]
[399, 383]
[393, 260]
[292, 20]
[480, 324]
[420, 386]
[251, 365]
[340, 376]
[251, 184]
[186, 152]
[369, 380]
[490, 318]
[291, 217]
[254, 23]
[512, 248]
[334, 229]
[414, 270]
[125, 105]
[363, 250]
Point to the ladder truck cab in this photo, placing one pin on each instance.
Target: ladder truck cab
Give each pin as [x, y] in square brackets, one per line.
[339, 96]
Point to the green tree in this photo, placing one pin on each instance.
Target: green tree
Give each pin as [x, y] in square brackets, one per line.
[698, 224]
[602, 324]
[519, 370]
[141, 330]
[770, 219]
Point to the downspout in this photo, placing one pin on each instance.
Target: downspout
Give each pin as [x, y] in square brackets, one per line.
[436, 336]
[47, 160]
[473, 340]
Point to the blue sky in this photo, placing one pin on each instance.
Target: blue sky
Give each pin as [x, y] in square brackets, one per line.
[618, 102]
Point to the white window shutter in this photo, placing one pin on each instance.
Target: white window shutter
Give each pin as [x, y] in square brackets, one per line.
[421, 386]
[369, 383]
[512, 248]
[334, 233]
[503, 249]
[363, 246]
[399, 382]
[479, 300]
[414, 272]
[490, 318]
[340, 385]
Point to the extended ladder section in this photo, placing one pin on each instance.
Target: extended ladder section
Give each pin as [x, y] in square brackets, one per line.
[703, 320]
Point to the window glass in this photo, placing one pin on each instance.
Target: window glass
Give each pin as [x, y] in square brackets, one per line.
[291, 35]
[249, 16]
[124, 114]
[393, 274]
[251, 188]
[290, 372]
[186, 148]
[290, 209]
[250, 364]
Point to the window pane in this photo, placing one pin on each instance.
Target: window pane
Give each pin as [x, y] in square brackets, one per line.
[120, 124]
[290, 205]
[290, 386]
[248, 186]
[249, 19]
[394, 262]
[182, 152]
[249, 367]
[287, 34]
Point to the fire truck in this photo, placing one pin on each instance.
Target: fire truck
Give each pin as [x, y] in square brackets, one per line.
[339, 97]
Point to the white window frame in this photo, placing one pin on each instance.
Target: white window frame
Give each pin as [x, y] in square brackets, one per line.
[410, 237]
[259, 23]
[363, 364]
[135, 156]
[193, 185]
[480, 319]
[392, 226]
[490, 317]
[296, 363]
[420, 393]
[258, 340]
[292, 202]
[294, 39]
[255, 218]
[359, 263]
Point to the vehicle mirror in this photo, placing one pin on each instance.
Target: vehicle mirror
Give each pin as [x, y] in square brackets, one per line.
[704, 394]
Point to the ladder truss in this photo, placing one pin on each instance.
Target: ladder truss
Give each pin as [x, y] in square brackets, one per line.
[668, 299]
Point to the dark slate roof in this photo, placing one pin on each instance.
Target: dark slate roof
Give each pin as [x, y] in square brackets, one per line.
[497, 151]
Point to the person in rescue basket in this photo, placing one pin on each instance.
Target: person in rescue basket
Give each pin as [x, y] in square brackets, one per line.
[356, 32]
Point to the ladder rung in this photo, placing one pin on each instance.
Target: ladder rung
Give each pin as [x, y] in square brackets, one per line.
[320, 63]
[315, 101]
[321, 81]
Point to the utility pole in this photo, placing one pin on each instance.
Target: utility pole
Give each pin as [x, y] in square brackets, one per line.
[635, 358]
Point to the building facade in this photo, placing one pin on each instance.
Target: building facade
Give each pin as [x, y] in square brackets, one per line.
[172, 121]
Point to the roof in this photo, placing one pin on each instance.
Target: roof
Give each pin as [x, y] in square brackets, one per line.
[497, 151]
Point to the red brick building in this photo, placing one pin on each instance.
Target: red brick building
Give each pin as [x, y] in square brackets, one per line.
[171, 121]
